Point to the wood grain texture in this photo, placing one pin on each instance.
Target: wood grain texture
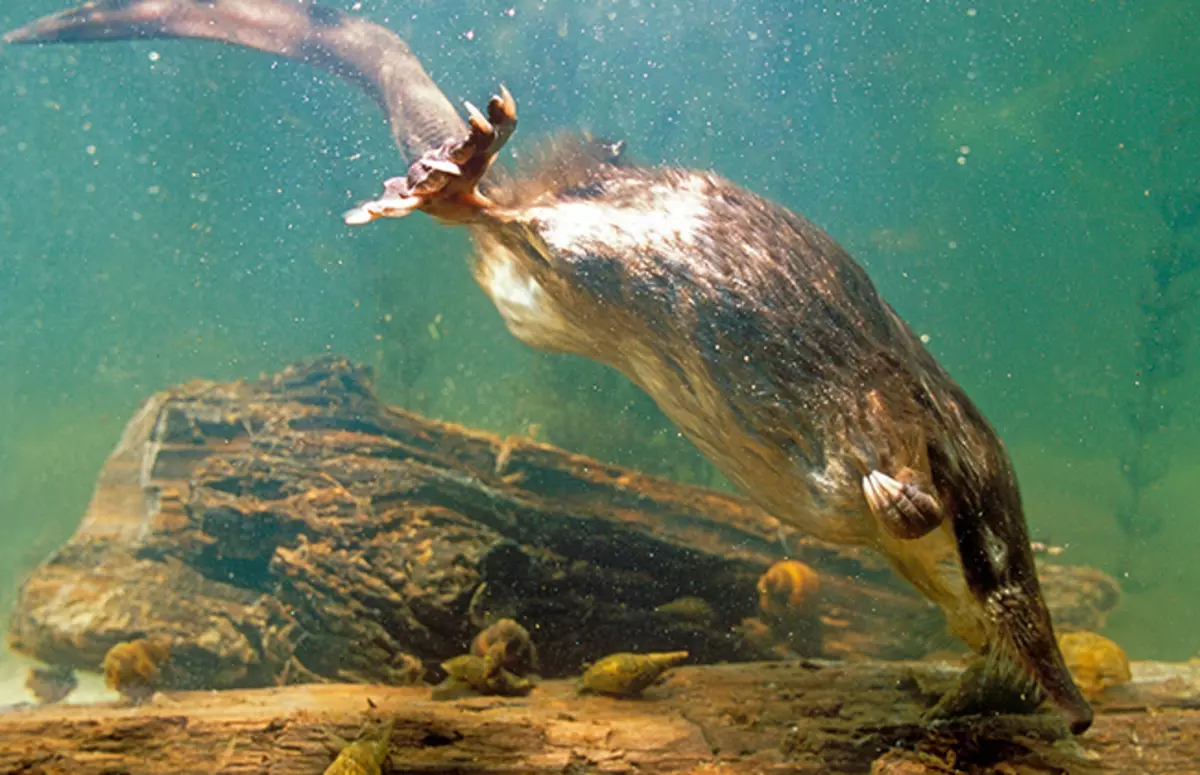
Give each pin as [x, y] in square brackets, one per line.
[779, 717]
[295, 529]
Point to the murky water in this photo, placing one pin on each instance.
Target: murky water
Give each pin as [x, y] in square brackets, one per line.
[170, 210]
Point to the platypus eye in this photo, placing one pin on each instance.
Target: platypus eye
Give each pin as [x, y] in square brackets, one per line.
[997, 552]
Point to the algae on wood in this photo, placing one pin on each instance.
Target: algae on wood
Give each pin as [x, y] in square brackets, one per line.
[294, 528]
[780, 717]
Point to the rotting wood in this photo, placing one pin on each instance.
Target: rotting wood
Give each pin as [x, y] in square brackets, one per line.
[294, 528]
[778, 717]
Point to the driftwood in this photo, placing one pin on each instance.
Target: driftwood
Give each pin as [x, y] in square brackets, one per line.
[781, 717]
[295, 529]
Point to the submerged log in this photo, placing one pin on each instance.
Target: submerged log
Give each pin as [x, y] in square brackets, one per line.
[296, 529]
[781, 717]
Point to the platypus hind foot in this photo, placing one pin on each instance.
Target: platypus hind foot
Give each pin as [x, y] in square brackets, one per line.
[905, 510]
[444, 182]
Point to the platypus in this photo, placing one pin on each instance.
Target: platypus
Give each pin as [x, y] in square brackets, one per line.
[751, 328]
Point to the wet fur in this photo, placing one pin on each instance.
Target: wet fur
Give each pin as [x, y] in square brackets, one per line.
[752, 329]
[771, 349]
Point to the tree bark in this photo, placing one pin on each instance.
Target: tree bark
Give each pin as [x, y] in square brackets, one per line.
[295, 529]
[780, 717]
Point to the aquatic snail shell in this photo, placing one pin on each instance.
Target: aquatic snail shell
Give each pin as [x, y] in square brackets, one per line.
[1096, 663]
[133, 668]
[364, 756]
[626, 674]
[788, 588]
[510, 644]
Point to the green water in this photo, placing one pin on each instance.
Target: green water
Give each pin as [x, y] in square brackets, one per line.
[169, 210]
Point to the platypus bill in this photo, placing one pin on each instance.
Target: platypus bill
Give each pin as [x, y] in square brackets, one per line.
[755, 332]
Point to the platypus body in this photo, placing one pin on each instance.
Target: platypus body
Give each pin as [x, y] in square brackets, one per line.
[751, 328]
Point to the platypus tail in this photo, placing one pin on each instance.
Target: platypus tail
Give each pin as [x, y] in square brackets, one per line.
[374, 57]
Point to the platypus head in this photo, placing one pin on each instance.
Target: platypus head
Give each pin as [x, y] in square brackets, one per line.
[974, 477]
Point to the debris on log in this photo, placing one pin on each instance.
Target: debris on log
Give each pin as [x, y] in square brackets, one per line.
[295, 529]
[778, 717]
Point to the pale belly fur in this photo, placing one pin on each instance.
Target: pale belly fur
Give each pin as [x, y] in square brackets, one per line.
[779, 485]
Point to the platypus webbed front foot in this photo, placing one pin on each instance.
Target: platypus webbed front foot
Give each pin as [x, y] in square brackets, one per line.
[989, 688]
[444, 182]
[905, 510]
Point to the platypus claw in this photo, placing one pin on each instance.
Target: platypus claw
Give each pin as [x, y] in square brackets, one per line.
[384, 207]
[490, 133]
[476, 118]
[444, 181]
[905, 510]
[443, 165]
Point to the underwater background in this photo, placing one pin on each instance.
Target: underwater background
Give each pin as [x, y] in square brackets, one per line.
[1021, 180]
